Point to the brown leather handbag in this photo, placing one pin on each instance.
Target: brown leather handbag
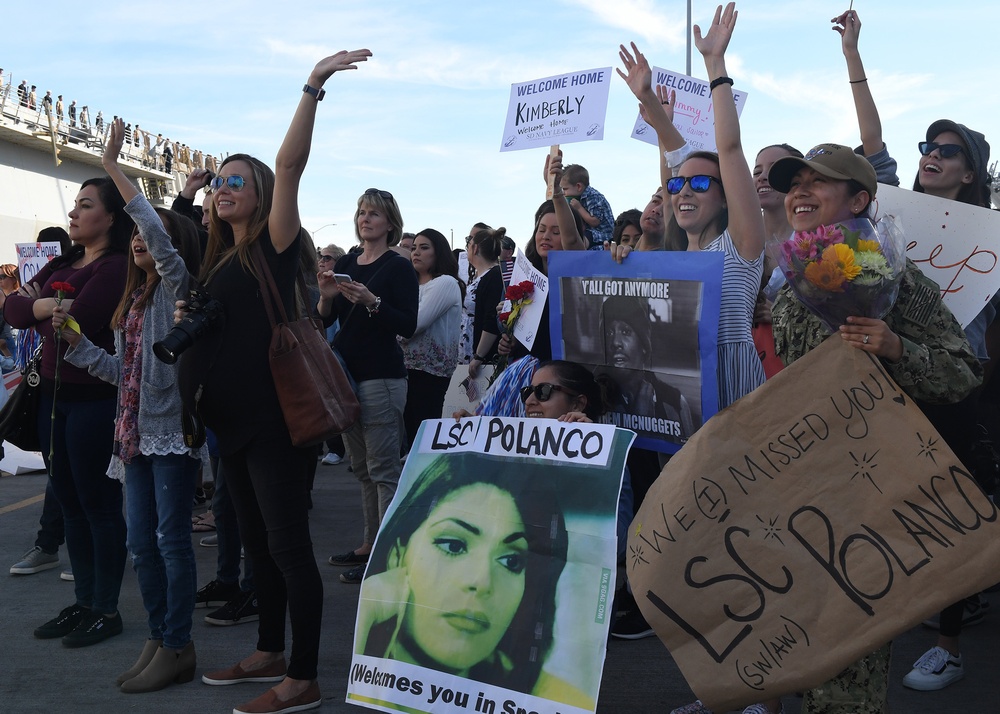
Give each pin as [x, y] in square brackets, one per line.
[313, 389]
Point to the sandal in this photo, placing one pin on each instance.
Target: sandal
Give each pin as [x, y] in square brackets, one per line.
[203, 524]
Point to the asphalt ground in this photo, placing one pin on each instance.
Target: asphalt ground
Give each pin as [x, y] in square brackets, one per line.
[43, 676]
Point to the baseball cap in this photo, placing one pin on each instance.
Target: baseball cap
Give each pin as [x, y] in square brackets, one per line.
[831, 160]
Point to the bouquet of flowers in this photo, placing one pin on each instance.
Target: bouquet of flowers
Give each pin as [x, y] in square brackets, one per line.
[849, 268]
[519, 296]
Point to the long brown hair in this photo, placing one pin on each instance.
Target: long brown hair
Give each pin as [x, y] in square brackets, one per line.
[184, 237]
[675, 237]
[221, 242]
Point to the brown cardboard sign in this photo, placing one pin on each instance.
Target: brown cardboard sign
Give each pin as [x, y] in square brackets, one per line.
[803, 527]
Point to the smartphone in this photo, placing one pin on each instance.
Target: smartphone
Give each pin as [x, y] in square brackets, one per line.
[343, 278]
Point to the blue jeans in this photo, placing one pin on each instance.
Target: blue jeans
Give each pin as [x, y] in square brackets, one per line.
[91, 502]
[373, 445]
[158, 493]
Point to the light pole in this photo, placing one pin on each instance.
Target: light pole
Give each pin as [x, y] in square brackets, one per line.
[322, 227]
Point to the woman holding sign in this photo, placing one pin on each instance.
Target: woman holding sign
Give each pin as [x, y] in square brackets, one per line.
[919, 342]
[714, 202]
[954, 163]
[557, 227]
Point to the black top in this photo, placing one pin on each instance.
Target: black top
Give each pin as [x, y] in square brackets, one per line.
[231, 359]
[368, 342]
[489, 293]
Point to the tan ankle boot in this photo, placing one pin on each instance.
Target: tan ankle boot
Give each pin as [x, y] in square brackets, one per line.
[167, 666]
[148, 650]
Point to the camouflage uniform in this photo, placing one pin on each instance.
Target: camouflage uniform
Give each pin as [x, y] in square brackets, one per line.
[938, 366]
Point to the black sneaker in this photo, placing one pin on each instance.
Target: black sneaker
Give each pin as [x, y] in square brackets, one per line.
[242, 608]
[354, 576]
[216, 594]
[62, 624]
[631, 626]
[93, 628]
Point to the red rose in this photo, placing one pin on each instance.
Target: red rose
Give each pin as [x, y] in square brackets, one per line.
[515, 292]
[63, 287]
[504, 316]
[527, 286]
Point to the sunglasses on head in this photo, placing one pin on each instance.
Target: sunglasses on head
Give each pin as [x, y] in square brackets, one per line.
[234, 182]
[382, 194]
[699, 183]
[946, 151]
[543, 392]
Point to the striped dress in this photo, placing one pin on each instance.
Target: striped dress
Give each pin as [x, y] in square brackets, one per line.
[739, 369]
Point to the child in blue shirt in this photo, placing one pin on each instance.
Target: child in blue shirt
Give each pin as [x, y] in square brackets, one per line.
[590, 203]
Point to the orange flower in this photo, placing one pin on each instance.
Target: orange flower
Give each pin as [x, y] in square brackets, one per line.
[826, 275]
[843, 257]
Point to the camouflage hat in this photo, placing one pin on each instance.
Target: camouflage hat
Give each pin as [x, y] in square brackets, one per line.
[831, 160]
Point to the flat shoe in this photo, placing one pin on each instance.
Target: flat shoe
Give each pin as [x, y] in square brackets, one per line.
[348, 559]
[273, 672]
[268, 702]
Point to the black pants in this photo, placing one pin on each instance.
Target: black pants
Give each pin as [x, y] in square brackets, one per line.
[424, 400]
[268, 481]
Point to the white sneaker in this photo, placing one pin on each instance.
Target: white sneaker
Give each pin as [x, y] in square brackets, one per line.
[935, 670]
[331, 459]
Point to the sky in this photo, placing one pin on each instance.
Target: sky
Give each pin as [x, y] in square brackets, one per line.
[424, 117]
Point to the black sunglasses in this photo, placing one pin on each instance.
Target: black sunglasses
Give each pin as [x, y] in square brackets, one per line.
[382, 194]
[543, 392]
[945, 150]
[325, 257]
[699, 183]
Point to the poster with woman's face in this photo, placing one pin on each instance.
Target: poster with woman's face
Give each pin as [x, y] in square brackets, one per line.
[649, 327]
[490, 584]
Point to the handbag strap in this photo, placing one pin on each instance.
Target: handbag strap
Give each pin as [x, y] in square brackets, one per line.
[268, 290]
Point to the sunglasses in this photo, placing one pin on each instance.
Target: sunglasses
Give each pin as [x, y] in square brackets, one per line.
[380, 193]
[234, 182]
[543, 392]
[325, 257]
[699, 183]
[946, 151]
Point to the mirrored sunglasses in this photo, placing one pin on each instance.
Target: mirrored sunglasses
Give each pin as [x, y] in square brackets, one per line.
[699, 183]
[234, 182]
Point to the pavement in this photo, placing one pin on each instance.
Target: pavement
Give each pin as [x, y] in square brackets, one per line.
[43, 676]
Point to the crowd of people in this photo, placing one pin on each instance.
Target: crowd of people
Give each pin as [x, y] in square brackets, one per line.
[73, 123]
[404, 317]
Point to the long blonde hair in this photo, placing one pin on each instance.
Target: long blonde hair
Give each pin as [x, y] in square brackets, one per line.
[221, 242]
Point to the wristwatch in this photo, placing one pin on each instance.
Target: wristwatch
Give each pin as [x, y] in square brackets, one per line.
[318, 93]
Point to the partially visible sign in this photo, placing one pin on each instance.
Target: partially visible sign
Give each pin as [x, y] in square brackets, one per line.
[694, 115]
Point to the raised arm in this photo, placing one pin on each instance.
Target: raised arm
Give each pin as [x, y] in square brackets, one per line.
[639, 77]
[568, 232]
[284, 222]
[746, 224]
[116, 137]
[849, 26]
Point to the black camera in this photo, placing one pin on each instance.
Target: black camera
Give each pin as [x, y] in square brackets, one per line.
[203, 311]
